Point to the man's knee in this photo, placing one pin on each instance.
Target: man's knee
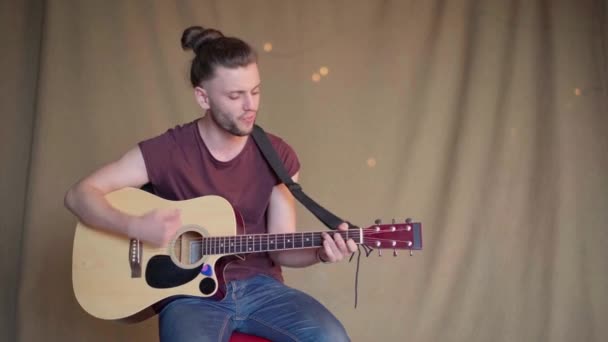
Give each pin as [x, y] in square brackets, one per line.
[332, 331]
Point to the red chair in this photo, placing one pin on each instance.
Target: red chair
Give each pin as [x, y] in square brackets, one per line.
[240, 337]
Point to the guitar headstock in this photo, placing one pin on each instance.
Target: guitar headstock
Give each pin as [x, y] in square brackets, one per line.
[407, 235]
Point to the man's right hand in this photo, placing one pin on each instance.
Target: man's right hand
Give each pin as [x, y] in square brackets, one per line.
[156, 227]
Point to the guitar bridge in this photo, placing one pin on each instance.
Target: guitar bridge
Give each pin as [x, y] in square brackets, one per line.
[135, 254]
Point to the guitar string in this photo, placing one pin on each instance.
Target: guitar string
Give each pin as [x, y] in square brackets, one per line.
[295, 234]
[263, 237]
[301, 235]
[258, 239]
[264, 246]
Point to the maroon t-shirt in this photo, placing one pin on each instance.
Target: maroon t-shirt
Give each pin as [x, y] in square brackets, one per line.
[180, 167]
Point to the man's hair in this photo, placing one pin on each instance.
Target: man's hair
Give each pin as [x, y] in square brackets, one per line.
[213, 49]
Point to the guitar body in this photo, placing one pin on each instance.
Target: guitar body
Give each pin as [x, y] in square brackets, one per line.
[116, 278]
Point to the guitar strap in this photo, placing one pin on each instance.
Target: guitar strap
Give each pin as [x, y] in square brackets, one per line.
[261, 139]
[330, 220]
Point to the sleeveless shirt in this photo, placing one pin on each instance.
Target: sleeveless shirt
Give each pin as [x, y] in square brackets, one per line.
[180, 167]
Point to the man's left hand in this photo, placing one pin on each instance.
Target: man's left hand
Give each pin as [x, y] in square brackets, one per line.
[334, 247]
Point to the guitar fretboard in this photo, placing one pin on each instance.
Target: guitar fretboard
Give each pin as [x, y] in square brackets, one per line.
[269, 242]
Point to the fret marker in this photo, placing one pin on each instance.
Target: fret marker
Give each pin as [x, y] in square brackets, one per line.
[249, 248]
[272, 241]
[288, 240]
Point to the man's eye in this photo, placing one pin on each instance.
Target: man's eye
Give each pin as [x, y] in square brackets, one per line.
[233, 97]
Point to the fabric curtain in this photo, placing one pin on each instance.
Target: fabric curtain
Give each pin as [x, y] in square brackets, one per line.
[484, 120]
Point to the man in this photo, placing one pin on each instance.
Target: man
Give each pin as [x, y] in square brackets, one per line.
[215, 155]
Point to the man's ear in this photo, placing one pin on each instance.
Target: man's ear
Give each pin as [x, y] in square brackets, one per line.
[202, 98]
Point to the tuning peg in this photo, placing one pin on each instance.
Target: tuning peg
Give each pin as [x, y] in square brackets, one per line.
[377, 221]
[393, 221]
[379, 252]
[411, 252]
[408, 220]
[394, 252]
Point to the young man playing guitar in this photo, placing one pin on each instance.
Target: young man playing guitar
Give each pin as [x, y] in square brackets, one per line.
[215, 155]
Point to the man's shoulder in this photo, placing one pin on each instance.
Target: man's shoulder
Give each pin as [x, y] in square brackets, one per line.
[171, 140]
[182, 128]
[173, 133]
[278, 142]
[275, 139]
[285, 152]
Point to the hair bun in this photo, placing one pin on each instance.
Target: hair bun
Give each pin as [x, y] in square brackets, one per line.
[195, 36]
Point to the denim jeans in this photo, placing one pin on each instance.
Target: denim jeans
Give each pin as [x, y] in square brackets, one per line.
[260, 306]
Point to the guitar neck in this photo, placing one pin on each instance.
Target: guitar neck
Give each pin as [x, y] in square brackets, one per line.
[254, 243]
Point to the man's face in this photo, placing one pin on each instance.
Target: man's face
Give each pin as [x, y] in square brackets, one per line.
[232, 97]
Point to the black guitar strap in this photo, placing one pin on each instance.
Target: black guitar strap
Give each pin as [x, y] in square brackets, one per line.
[330, 220]
[261, 139]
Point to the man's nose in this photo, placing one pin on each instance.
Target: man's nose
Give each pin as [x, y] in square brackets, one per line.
[250, 103]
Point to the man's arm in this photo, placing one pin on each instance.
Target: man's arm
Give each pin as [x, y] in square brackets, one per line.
[86, 200]
[282, 219]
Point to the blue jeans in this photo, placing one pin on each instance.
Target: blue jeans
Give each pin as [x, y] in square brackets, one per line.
[260, 306]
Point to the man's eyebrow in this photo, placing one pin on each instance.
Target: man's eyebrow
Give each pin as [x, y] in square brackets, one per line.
[244, 91]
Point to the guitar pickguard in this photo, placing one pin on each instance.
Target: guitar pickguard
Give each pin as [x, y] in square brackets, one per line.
[162, 273]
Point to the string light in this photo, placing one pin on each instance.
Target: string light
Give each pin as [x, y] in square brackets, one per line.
[316, 77]
[324, 71]
[371, 162]
[268, 47]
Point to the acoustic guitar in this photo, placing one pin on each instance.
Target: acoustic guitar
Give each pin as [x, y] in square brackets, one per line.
[117, 278]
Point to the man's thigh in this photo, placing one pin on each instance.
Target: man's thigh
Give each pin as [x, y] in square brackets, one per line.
[195, 319]
[281, 313]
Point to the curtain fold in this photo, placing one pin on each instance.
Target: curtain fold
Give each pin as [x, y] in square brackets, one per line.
[20, 38]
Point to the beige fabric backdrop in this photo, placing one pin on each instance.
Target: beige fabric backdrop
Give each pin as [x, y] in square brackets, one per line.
[485, 120]
[20, 34]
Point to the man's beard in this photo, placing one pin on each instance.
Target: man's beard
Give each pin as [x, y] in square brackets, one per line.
[228, 125]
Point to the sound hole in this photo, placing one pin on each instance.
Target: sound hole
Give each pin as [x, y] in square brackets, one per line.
[186, 250]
